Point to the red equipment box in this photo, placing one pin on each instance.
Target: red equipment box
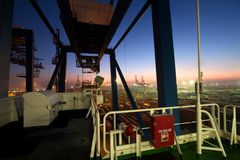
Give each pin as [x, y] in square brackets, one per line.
[162, 130]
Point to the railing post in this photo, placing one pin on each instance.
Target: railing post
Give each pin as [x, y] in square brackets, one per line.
[138, 144]
[234, 129]
[104, 134]
[225, 119]
[98, 134]
[219, 119]
[235, 124]
[93, 143]
[114, 122]
[120, 138]
[213, 113]
[111, 146]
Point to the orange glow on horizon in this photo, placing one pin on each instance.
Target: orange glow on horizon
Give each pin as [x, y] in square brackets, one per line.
[183, 75]
[210, 75]
[149, 77]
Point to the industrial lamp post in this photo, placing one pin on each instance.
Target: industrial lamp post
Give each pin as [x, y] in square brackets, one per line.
[199, 80]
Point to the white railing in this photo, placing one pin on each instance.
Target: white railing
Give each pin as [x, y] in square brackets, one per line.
[214, 110]
[212, 147]
[233, 134]
[151, 111]
[114, 147]
[76, 100]
[96, 126]
[79, 100]
[10, 109]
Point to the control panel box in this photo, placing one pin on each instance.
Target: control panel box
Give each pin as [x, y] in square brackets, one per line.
[162, 130]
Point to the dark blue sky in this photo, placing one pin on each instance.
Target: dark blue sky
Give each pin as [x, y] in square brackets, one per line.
[220, 39]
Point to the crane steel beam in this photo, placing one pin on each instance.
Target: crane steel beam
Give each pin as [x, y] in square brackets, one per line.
[56, 70]
[139, 15]
[111, 2]
[132, 101]
[113, 81]
[45, 20]
[118, 15]
[69, 48]
[164, 55]
[6, 18]
[62, 56]
[68, 23]
[62, 74]
[28, 35]
[29, 61]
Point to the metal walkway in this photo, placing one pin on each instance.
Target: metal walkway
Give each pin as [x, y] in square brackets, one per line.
[189, 153]
[54, 143]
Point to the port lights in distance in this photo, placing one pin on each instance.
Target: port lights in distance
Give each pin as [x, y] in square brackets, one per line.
[191, 82]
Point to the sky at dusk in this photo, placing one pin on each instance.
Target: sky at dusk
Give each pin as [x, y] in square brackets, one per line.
[220, 41]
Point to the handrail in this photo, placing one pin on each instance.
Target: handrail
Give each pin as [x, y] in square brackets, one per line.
[225, 115]
[96, 123]
[218, 115]
[215, 148]
[233, 138]
[151, 110]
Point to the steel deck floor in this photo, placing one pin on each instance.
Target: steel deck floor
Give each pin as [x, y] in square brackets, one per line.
[189, 153]
[69, 137]
[233, 153]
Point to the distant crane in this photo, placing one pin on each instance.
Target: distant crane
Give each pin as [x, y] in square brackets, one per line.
[58, 48]
[77, 84]
[136, 80]
[18, 56]
[142, 83]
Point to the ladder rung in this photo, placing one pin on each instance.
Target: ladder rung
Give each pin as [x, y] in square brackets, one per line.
[211, 148]
[210, 143]
[208, 129]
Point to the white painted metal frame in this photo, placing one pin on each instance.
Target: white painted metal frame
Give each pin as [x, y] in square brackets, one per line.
[115, 149]
[151, 111]
[96, 126]
[233, 135]
[214, 147]
[199, 110]
[122, 149]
